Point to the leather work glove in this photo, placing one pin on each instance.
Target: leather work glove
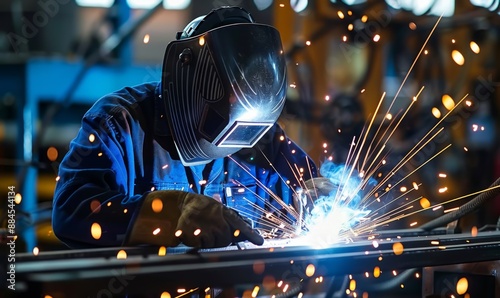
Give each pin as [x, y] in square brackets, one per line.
[312, 190]
[171, 217]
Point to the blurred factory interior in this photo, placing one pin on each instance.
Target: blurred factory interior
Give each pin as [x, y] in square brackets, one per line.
[57, 57]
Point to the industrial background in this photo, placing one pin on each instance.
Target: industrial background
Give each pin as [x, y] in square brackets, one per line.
[57, 57]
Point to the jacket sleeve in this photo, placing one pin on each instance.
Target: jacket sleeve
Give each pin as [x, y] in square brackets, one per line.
[92, 203]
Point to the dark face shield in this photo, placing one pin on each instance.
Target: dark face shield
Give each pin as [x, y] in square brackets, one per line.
[223, 89]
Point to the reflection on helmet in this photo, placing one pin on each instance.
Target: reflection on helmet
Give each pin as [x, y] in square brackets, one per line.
[224, 84]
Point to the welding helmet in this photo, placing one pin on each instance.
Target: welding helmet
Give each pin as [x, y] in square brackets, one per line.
[223, 84]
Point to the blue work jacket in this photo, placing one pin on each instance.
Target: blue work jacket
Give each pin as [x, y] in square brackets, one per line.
[124, 150]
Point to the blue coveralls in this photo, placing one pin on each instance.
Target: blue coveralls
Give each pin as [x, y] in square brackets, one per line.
[124, 150]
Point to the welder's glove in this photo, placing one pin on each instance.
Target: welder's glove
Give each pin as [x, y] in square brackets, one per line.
[171, 217]
[312, 190]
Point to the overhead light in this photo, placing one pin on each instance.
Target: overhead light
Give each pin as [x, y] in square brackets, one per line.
[262, 4]
[95, 3]
[298, 5]
[491, 5]
[446, 8]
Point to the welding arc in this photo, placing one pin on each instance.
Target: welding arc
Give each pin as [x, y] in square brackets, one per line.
[465, 209]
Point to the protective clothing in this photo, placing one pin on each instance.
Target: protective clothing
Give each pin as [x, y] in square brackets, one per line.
[224, 84]
[125, 150]
[170, 217]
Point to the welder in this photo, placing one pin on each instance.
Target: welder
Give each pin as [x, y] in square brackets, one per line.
[190, 159]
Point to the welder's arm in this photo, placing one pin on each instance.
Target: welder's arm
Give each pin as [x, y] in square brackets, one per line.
[171, 217]
[93, 202]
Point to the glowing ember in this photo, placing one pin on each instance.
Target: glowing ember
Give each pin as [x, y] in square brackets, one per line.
[340, 14]
[398, 248]
[448, 102]
[474, 231]
[474, 47]
[424, 203]
[462, 286]
[165, 295]
[236, 233]
[162, 251]
[121, 255]
[352, 285]
[436, 112]
[376, 272]
[18, 198]
[255, 291]
[157, 205]
[310, 269]
[458, 57]
[95, 231]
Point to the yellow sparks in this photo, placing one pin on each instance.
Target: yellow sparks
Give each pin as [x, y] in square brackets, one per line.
[121, 255]
[397, 248]
[197, 232]
[99, 154]
[178, 233]
[95, 206]
[340, 14]
[474, 231]
[18, 198]
[352, 285]
[474, 47]
[282, 5]
[436, 112]
[415, 185]
[162, 251]
[443, 189]
[310, 269]
[201, 41]
[394, 272]
[458, 57]
[146, 38]
[36, 250]
[95, 231]
[375, 244]
[91, 137]
[58, 178]
[417, 275]
[388, 116]
[413, 224]
[435, 242]
[165, 295]
[462, 286]
[285, 288]
[52, 153]
[344, 38]
[308, 43]
[157, 205]
[453, 40]
[448, 102]
[426, 52]
[364, 18]
[403, 189]
[236, 233]
[350, 27]
[442, 175]
[468, 103]
[125, 210]
[424, 203]
[376, 37]
[327, 97]
[181, 290]
[412, 26]
[255, 291]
